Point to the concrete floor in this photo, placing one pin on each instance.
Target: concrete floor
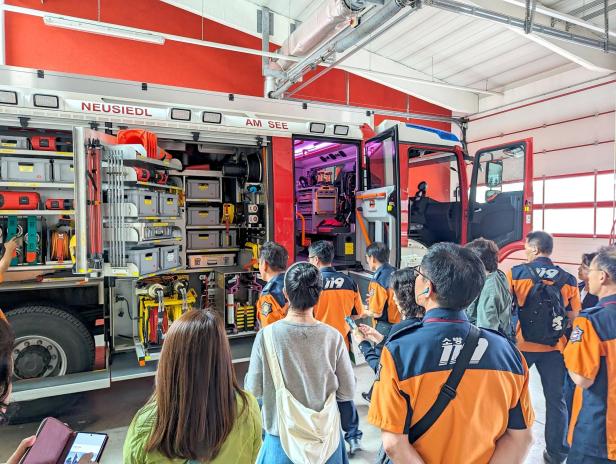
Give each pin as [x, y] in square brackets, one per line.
[111, 411]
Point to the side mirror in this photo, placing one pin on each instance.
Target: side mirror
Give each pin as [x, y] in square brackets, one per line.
[494, 174]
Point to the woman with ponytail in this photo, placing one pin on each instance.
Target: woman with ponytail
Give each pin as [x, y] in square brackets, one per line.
[316, 371]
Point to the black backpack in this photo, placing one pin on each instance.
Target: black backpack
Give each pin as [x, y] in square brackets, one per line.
[543, 318]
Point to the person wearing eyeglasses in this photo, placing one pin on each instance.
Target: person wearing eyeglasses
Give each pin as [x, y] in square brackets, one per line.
[490, 416]
[272, 304]
[588, 299]
[590, 358]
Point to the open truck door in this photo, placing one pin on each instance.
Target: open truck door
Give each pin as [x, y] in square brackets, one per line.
[378, 206]
[501, 195]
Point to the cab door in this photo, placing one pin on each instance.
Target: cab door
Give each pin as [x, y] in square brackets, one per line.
[377, 207]
[501, 195]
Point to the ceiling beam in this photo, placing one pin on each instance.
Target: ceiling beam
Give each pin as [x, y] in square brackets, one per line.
[593, 59]
[242, 15]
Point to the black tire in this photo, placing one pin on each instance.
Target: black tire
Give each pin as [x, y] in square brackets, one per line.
[60, 326]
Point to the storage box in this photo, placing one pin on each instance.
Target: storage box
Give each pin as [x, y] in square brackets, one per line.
[146, 201]
[63, 171]
[168, 205]
[25, 170]
[203, 239]
[147, 260]
[169, 257]
[203, 216]
[154, 232]
[9, 141]
[228, 239]
[207, 189]
[223, 259]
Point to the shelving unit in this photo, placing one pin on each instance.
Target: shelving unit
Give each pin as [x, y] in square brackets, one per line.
[35, 153]
[37, 212]
[45, 185]
[42, 267]
[214, 250]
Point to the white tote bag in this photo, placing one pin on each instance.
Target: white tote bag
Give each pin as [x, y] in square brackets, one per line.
[307, 436]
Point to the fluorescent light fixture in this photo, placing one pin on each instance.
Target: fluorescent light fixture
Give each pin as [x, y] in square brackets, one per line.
[46, 101]
[94, 27]
[180, 114]
[8, 97]
[212, 118]
[341, 130]
[317, 127]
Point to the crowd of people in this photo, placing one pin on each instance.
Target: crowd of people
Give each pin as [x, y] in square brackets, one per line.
[451, 342]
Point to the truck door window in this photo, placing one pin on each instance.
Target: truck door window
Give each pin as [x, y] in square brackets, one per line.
[380, 162]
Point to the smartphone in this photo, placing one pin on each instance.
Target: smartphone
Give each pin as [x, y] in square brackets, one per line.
[351, 322]
[87, 443]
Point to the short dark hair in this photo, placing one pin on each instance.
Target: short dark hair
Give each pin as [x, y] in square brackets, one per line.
[402, 282]
[379, 251]
[303, 283]
[606, 260]
[275, 255]
[542, 240]
[323, 250]
[457, 274]
[587, 258]
[7, 341]
[487, 250]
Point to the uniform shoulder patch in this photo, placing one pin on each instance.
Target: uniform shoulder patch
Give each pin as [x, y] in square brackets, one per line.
[266, 309]
[576, 334]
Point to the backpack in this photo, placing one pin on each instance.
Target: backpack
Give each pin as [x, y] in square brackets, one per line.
[543, 318]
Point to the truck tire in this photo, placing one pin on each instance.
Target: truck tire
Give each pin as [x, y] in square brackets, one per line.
[49, 341]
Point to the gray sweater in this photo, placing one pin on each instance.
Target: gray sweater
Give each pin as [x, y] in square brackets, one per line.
[314, 362]
[492, 308]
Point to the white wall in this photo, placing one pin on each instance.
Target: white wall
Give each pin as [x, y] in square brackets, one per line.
[586, 105]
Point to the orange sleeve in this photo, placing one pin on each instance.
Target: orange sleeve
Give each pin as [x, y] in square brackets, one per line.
[269, 311]
[388, 408]
[572, 295]
[377, 297]
[358, 306]
[510, 280]
[583, 352]
[522, 415]
[2, 316]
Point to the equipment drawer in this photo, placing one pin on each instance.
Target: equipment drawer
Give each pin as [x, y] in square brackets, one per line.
[146, 201]
[168, 205]
[169, 257]
[208, 189]
[203, 216]
[63, 171]
[30, 170]
[203, 239]
[146, 259]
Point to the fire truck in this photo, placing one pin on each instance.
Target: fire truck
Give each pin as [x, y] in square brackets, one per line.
[133, 203]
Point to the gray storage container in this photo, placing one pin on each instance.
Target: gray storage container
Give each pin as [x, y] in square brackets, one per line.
[9, 141]
[203, 189]
[203, 239]
[146, 259]
[203, 216]
[169, 257]
[146, 201]
[63, 171]
[168, 205]
[228, 239]
[154, 232]
[25, 170]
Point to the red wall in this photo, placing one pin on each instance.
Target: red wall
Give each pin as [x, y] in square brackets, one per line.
[284, 195]
[31, 44]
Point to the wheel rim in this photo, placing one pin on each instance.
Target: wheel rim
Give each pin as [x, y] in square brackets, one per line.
[35, 356]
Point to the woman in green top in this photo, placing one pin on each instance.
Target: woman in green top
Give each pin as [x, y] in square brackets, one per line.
[198, 413]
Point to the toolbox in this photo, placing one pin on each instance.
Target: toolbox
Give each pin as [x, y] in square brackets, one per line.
[168, 205]
[203, 239]
[203, 189]
[146, 201]
[63, 171]
[203, 216]
[223, 259]
[25, 170]
[9, 141]
[169, 257]
[228, 239]
[147, 260]
[19, 200]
